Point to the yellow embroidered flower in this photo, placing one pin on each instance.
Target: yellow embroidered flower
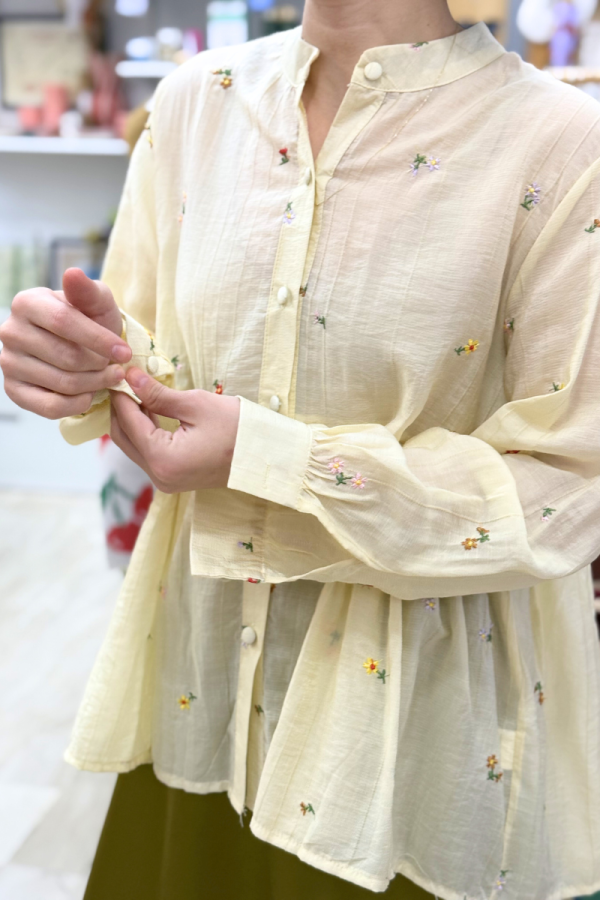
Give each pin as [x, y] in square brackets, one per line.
[184, 702]
[469, 347]
[557, 387]
[370, 665]
[470, 543]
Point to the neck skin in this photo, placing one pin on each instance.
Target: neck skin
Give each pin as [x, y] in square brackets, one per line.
[343, 29]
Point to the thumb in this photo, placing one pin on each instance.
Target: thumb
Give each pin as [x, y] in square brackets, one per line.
[93, 298]
[160, 399]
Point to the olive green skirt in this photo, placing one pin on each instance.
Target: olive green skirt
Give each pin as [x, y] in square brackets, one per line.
[161, 843]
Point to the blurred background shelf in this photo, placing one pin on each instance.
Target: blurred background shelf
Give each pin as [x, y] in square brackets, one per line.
[149, 68]
[83, 146]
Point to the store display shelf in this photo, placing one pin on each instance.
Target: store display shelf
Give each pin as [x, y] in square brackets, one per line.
[83, 146]
[144, 68]
[575, 74]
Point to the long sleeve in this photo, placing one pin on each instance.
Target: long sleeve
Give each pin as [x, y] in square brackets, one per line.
[130, 271]
[514, 502]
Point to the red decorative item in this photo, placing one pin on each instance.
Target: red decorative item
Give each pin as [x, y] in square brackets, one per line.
[123, 537]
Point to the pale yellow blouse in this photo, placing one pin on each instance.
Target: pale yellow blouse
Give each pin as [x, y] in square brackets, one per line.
[380, 636]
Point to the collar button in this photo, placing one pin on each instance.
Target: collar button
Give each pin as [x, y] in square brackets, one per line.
[373, 71]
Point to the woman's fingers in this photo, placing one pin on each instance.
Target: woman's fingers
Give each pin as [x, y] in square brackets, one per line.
[43, 309]
[27, 369]
[47, 403]
[50, 348]
[122, 441]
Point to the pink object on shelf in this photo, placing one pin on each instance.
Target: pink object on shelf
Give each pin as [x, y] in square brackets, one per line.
[56, 102]
[30, 119]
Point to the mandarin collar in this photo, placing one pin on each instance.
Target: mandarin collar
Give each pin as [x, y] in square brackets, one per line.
[404, 67]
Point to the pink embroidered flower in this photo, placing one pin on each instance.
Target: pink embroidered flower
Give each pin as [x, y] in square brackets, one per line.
[358, 481]
[336, 464]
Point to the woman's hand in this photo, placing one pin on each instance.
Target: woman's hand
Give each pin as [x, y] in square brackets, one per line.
[198, 455]
[60, 347]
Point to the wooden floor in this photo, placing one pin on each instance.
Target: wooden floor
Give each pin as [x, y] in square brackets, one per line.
[56, 598]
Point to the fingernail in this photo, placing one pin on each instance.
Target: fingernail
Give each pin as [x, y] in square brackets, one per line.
[137, 378]
[121, 353]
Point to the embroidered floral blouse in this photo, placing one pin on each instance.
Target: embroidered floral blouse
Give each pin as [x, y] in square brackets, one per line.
[380, 636]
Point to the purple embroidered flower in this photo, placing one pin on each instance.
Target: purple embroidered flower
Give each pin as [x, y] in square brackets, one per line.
[246, 545]
[289, 215]
[532, 196]
[485, 634]
[429, 604]
[358, 481]
[433, 162]
[501, 880]
[419, 160]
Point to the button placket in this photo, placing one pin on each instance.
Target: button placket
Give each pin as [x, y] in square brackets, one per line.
[255, 607]
[282, 312]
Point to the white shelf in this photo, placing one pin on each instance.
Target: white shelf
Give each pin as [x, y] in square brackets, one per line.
[147, 68]
[84, 146]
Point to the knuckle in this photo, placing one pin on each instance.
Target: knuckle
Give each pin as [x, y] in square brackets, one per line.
[59, 317]
[6, 330]
[49, 407]
[66, 383]
[21, 303]
[6, 362]
[10, 391]
[72, 359]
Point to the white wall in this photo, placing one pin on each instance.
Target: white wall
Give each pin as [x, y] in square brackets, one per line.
[48, 196]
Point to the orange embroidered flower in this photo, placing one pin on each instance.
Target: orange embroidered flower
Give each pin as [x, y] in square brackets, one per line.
[538, 690]
[471, 543]
[370, 665]
[307, 808]
[226, 80]
[218, 386]
[492, 762]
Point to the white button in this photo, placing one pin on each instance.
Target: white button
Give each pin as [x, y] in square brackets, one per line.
[153, 364]
[307, 176]
[283, 295]
[373, 71]
[275, 402]
[248, 635]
